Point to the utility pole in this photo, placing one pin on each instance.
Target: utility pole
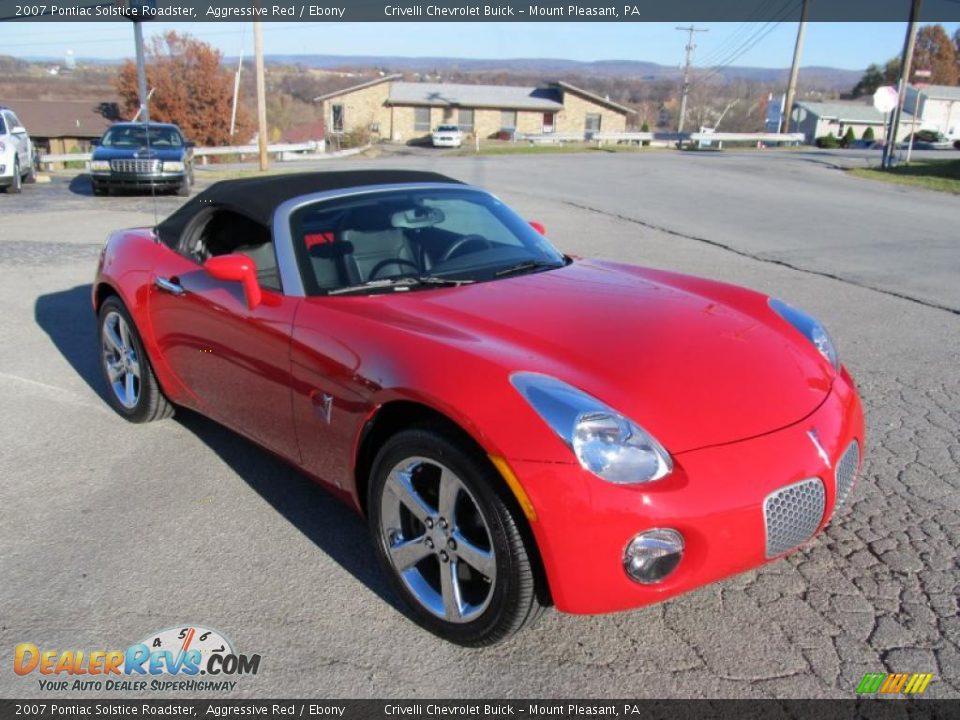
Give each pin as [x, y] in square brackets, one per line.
[906, 61]
[917, 87]
[795, 68]
[141, 72]
[686, 72]
[261, 95]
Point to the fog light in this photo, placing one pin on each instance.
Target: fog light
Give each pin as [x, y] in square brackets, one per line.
[652, 555]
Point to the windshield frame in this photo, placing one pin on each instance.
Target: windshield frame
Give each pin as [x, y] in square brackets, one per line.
[149, 129]
[291, 254]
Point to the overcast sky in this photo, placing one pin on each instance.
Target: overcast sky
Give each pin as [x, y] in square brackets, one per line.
[844, 45]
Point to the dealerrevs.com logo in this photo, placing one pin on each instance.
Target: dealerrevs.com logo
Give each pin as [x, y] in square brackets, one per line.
[189, 659]
[894, 683]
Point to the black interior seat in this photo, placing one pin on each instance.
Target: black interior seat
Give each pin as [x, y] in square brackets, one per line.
[228, 232]
[375, 243]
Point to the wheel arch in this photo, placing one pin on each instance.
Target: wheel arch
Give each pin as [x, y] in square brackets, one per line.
[101, 291]
[397, 415]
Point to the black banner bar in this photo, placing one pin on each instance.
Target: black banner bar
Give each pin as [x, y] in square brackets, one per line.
[872, 709]
[471, 10]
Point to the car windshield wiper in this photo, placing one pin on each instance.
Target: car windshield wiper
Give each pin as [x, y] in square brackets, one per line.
[404, 282]
[526, 266]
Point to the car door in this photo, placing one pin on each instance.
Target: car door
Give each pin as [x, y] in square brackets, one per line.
[20, 139]
[233, 358]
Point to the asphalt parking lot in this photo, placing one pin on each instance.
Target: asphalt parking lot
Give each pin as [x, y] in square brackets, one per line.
[112, 531]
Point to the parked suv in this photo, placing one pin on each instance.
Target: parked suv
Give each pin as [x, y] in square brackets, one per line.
[16, 153]
[142, 155]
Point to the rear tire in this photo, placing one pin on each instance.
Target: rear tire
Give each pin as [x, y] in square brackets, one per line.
[31, 177]
[449, 539]
[132, 388]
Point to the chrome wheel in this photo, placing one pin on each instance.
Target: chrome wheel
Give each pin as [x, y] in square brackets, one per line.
[120, 359]
[437, 539]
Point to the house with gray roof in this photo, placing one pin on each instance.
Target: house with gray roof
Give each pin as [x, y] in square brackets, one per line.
[391, 109]
[817, 119]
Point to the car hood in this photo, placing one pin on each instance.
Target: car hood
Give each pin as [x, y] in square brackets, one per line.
[696, 363]
[170, 154]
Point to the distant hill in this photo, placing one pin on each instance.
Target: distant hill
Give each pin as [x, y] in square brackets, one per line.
[823, 77]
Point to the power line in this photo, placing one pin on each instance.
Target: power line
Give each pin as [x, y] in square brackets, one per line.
[751, 42]
[729, 41]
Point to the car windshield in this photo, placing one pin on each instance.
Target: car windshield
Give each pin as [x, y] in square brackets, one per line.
[414, 239]
[136, 136]
[447, 128]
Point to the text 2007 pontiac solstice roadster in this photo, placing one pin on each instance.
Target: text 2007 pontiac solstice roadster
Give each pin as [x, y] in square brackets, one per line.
[521, 428]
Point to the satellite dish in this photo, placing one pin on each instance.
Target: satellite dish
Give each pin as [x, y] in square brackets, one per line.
[885, 98]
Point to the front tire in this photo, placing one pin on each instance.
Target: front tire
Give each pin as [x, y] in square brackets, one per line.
[449, 538]
[17, 185]
[183, 189]
[132, 388]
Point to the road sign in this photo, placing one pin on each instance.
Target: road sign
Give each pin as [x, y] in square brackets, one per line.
[774, 113]
[885, 98]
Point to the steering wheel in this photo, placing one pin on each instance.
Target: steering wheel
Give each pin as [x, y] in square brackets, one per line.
[457, 245]
[374, 271]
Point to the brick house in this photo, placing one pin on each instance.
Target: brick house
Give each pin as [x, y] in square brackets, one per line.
[391, 109]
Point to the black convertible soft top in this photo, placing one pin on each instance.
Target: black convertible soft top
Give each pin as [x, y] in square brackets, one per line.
[256, 198]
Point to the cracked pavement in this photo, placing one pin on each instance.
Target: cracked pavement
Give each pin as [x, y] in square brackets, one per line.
[111, 531]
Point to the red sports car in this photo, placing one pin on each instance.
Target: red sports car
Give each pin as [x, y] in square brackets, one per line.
[521, 428]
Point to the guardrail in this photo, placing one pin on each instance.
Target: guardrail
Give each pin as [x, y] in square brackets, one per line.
[707, 139]
[622, 137]
[278, 149]
[548, 138]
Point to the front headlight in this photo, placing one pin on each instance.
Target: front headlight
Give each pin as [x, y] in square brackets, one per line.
[100, 165]
[606, 443]
[172, 166]
[810, 328]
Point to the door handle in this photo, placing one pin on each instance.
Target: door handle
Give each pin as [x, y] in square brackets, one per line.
[170, 286]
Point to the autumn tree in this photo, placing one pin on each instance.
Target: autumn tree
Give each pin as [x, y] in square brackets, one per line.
[936, 52]
[190, 88]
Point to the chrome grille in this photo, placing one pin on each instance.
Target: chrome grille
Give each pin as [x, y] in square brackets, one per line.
[792, 514]
[846, 472]
[139, 167]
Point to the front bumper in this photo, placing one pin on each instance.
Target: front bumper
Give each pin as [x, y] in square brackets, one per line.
[714, 498]
[137, 181]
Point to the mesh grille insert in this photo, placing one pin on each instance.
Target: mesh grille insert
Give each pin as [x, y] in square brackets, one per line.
[846, 472]
[792, 514]
[135, 166]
